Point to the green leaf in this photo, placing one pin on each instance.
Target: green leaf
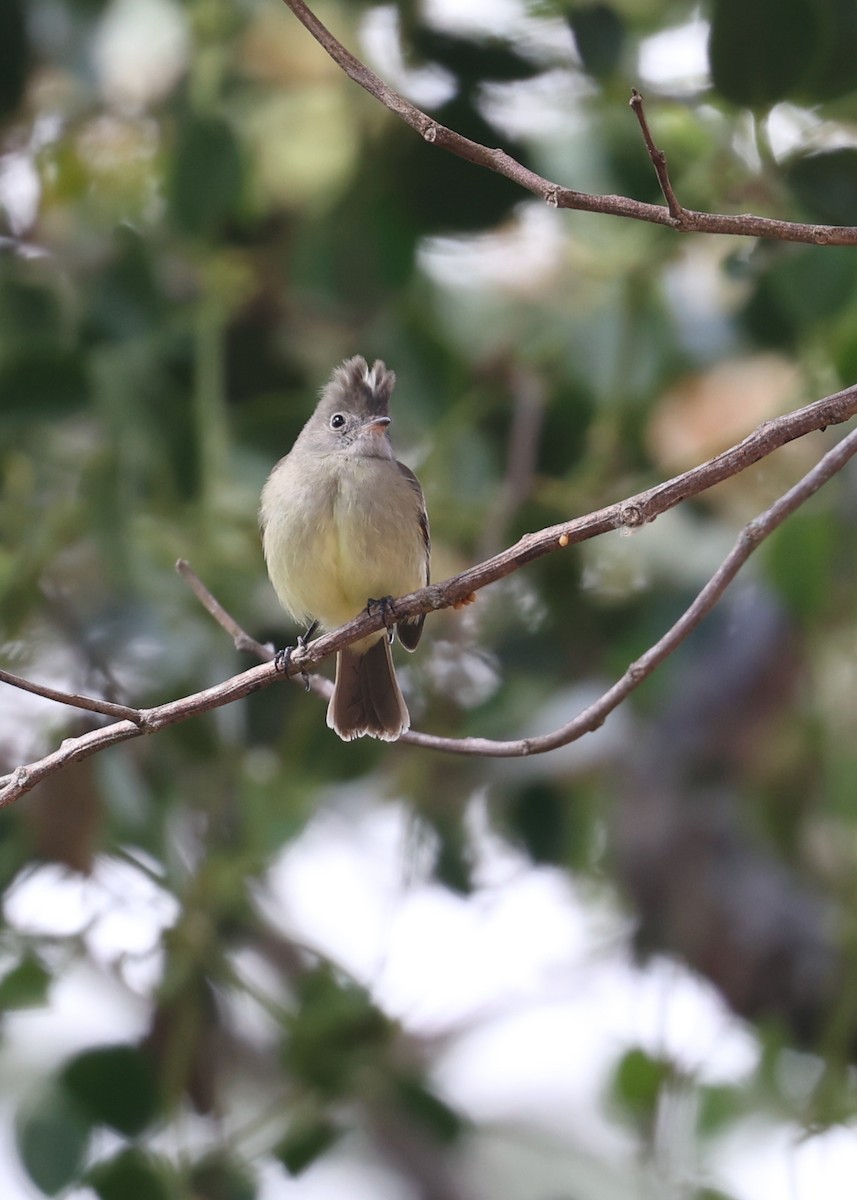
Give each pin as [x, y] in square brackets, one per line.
[453, 862]
[207, 176]
[472, 60]
[335, 1031]
[759, 49]
[14, 56]
[28, 310]
[43, 381]
[218, 1177]
[115, 1086]
[538, 815]
[719, 1106]
[826, 185]
[52, 1139]
[599, 33]
[25, 986]
[427, 1109]
[307, 1139]
[814, 283]
[638, 1080]
[766, 318]
[132, 1175]
[407, 191]
[833, 70]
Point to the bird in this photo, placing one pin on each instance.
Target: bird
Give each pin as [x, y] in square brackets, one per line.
[344, 526]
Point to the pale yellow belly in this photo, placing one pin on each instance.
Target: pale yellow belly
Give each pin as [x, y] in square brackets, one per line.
[343, 538]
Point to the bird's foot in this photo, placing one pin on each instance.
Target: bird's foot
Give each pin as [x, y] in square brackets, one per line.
[284, 656]
[386, 606]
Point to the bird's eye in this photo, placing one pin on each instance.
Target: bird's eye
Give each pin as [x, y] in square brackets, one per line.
[337, 421]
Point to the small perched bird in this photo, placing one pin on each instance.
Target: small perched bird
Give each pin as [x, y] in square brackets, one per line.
[344, 524]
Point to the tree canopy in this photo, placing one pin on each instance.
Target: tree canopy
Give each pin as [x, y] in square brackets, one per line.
[200, 215]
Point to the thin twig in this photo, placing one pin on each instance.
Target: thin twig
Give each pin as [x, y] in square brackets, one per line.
[659, 159]
[24, 778]
[742, 224]
[92, 704]
[626, 514]
[636, 511]
[93, 654]
[591, 718]
[241, 638]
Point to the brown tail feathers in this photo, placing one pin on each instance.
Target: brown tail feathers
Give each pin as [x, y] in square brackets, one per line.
[366, 696]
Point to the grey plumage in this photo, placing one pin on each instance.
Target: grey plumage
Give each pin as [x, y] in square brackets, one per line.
[342, 523]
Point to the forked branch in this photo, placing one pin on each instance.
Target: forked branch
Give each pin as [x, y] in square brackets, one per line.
[684, 220]
[635, 511]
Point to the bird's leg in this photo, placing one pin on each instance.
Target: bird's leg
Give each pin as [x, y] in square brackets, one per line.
[283, 657]
[386, 607]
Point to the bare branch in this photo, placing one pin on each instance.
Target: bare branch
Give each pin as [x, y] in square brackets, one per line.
[241, 639]
[683, 220]
[630, 513]
[659, 159]
[91, 704]
[751, 536]
[93, 655]
[24, 778]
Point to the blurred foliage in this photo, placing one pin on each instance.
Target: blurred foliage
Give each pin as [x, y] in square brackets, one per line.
[199, 216]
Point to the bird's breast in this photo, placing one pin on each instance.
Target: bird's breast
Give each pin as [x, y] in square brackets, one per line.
[343, 533]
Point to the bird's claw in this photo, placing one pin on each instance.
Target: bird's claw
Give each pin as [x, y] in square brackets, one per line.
[386, 606]
[283, 657]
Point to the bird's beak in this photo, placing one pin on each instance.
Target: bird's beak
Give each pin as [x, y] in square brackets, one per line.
[376, 425]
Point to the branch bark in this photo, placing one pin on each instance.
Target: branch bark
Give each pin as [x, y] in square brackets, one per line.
[683, 220]
[591, 718]
[659, 159]
[630, 513]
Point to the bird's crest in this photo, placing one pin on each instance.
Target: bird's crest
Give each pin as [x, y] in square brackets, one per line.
[367, 389]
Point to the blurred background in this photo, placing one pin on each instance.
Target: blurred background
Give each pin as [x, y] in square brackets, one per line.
[241, 959]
